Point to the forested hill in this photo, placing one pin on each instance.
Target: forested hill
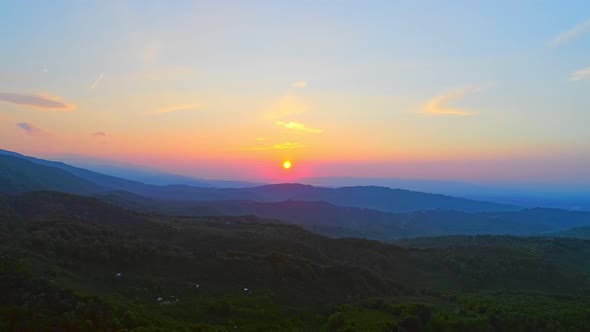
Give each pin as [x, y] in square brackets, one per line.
[89, 265]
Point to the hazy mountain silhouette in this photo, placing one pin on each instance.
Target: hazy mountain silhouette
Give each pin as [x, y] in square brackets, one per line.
[105, 182]
[338, 221]
[373, 197]
[19, 175]
[378, 198]
[150, 176]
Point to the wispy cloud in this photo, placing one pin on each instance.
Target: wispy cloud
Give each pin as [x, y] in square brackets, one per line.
[99, 134]
[31, 130]
[177, 108]
[95, 84]
[299, 84]
[288, 145]
[260, 138]
[440, 104]
[297, 126]
[580, 74]
[570, 34]
[46, 102]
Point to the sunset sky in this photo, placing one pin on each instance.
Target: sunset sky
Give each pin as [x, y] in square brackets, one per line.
[481, 91]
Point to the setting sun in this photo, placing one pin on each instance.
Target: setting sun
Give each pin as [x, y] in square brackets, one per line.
[287, 164]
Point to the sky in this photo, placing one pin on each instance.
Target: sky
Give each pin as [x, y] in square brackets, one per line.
[479, 91]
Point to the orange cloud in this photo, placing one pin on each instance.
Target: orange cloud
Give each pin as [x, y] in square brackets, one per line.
[288, 145]
[439, 105]
[297, 126]
[46, 102]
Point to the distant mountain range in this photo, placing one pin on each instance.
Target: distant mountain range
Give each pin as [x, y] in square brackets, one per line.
[344, 221]
[371, 197]
[371, 212]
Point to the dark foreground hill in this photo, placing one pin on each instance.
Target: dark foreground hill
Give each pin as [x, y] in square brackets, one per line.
[72, 263]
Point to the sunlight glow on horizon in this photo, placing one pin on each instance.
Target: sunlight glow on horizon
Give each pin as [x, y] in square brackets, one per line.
[189, 88]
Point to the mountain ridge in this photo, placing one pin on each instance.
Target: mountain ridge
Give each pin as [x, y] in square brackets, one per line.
[373, 197]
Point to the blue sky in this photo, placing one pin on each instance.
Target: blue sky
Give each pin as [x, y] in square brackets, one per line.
[339, 87]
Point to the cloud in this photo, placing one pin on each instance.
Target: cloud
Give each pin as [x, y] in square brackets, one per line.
[299, 84]
[439, 105]
[177, 108]
[31, 130]
[45, 102]
[260, 138]
[580, 74]
[99, 134]
[297, 126]
[95, 84]
[571, 34]
[288, 145]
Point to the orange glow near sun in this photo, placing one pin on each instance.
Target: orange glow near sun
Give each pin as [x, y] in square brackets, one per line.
[287, 164]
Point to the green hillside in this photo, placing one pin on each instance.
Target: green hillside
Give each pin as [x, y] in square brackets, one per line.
[78, 264]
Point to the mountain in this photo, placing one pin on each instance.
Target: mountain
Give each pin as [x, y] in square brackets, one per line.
[111, 173]
[104, 181]
[338, 221]
[74, 263]
[454, 188]
[373, 197]
[19, 175]
[526, 195]
[150, 176]
[377, 198]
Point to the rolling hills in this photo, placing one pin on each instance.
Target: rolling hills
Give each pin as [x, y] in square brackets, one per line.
[106, 267]
[127, 255]
[338, 221]
[395, 213]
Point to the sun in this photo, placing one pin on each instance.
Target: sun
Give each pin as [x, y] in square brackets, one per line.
[287, 164]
